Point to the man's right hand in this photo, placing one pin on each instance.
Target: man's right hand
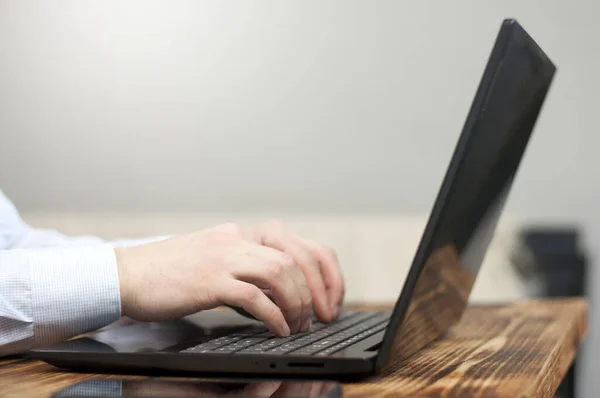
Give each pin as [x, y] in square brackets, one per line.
[218, 266]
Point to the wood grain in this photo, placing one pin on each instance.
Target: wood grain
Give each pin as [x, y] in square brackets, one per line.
[521, 349]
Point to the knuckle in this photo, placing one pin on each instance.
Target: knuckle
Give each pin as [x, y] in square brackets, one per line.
[292, 304]
[224, 233]
[330, 251]
[274, 227]
[304, 299]
[307, 298]
[296, 305]
[229, 228]
[275, 269]
[250, 295]
[323, 252]
[304, 280]
[326, 252]
[287, 261]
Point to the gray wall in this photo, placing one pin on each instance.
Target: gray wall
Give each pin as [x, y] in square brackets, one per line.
[274, 105]
[146, 105]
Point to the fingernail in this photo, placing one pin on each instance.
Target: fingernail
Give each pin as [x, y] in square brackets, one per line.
[307, 325]
[285, 329]
[336, 311]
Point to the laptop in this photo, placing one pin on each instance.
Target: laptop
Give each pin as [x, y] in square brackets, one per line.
[437, 288]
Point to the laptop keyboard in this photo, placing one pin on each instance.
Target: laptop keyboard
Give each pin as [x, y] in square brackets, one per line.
[323, 339]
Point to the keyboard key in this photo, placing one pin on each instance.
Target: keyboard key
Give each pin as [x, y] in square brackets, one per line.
[316, 326]
[322, 337]
[279, 341]
[352, 340]
[268, 344]
[363, 330]
[321, 334]
[239, 345]
[212, 344]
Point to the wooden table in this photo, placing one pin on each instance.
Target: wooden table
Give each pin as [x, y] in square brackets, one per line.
[521, 349]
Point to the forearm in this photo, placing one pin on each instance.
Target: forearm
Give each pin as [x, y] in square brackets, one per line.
[48, 295]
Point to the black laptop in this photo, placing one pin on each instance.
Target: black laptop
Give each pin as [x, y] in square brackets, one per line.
[436, 291]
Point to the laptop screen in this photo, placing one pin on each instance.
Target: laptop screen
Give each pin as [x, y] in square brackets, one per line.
[471, 198]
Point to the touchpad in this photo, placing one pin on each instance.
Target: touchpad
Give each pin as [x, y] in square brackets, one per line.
[128, 336]
[221, 320]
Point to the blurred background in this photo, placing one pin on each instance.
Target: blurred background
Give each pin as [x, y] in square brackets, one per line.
[136, 118]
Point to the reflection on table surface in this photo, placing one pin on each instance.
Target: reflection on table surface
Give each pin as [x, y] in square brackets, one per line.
[106, 388]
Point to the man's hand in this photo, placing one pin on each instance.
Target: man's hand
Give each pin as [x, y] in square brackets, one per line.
[268, 271]
[318, 262]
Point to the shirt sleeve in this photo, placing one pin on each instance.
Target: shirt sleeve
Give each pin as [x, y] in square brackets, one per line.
[53, 287]
[50, 294]
[38, 237]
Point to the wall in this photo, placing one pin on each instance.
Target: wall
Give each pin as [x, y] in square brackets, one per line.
[146, 105]
[339, 106]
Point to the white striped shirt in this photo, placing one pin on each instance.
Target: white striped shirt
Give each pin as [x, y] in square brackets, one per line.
[53, 287]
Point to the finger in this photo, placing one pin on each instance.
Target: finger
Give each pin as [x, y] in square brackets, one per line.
[254, 301]
[293, 389]
[272, 271]
[316, 389]
[261, 389]
[331, 272]
[271, 234]
[326, 389]
[292, 245]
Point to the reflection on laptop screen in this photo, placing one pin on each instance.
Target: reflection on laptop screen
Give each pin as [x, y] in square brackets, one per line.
[479, 178]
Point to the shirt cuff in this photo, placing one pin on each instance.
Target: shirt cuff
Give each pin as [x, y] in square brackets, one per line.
[73, 290]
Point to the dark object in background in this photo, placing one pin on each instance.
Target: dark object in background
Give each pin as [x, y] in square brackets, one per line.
[552, 262]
